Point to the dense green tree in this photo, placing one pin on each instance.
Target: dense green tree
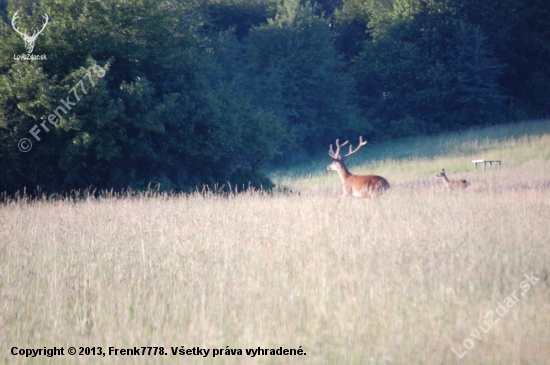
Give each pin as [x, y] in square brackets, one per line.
[240, 15]
[519, 33]
[428, 74]
[351, 30]
[476, 96]
[326, 9]
[295, 72]
[155, 116]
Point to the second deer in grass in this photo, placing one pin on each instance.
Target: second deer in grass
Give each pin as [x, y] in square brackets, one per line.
[355, 185]
[453, 184]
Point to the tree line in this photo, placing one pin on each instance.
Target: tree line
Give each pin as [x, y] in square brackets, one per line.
[201, 93]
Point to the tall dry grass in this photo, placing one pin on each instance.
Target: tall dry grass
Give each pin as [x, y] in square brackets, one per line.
[397, 280]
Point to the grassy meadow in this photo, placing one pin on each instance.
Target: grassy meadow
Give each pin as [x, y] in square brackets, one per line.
[402, 279]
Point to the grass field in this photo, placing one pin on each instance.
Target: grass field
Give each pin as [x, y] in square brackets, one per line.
[402, 279]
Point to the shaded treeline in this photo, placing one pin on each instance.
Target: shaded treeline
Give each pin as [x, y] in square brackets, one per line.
[206, 92]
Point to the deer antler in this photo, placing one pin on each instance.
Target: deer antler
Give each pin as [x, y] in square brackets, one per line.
[361, 144]
[43, 26]
[13, 19]
[335, 155]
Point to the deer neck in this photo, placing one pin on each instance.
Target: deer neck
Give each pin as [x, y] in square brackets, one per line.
[344, 173]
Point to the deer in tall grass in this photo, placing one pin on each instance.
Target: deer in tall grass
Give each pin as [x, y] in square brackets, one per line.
[355, 185]
[453, 184]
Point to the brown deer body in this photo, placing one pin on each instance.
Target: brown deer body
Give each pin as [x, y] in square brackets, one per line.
[355, 185]
[453, 184]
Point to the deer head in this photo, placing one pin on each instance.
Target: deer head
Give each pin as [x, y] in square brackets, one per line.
[442, 174]
[29, 40]
[338, 162]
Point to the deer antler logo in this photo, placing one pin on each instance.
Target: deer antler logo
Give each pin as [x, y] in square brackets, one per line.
[29, 40]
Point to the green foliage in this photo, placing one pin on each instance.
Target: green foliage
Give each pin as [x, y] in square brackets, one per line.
[519, 32]
[241, 15]
[351, 28]
[428, 74]
[296, 73]
[154, 118]
[476, 93]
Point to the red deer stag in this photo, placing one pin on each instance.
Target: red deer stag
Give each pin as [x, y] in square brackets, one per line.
[453, 184]
[355, 185]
